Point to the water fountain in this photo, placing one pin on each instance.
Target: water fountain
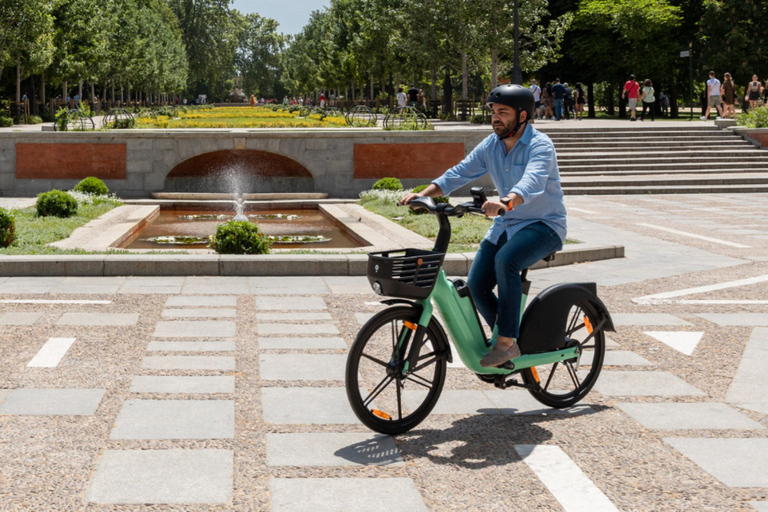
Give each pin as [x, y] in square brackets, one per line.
[239, 216]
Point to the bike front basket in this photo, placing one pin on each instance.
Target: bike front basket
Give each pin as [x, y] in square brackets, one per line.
[407, 273]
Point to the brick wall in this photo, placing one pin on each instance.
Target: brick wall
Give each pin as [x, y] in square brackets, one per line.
[406, 161]
[70, 161]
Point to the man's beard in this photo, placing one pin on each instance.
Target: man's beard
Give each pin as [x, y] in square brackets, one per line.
[504, 130]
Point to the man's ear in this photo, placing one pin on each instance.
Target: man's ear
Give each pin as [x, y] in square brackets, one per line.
[523, 116]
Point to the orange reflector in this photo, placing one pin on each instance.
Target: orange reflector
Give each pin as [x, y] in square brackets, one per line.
[535, 374]
[381, 414]
[410, 325]
[419, 262]
[588, 325]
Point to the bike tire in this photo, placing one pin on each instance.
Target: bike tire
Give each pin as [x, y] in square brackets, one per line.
[367, 369]
[541, 378]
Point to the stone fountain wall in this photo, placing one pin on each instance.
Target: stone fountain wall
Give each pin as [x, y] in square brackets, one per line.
[136, 163]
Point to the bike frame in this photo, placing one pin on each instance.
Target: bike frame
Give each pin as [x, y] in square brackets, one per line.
[465, 330]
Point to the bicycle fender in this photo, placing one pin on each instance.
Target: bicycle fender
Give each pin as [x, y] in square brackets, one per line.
[543, 325]
[392, 302]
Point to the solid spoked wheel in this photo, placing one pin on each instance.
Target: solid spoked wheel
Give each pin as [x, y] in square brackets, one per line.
[382, 397]
[564, 383]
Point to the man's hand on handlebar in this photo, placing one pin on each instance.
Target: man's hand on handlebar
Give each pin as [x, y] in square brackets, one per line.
[493, 208]
[432, 190]
[407, 199]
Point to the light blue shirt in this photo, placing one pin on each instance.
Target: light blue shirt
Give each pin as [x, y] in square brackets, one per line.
[529, 170]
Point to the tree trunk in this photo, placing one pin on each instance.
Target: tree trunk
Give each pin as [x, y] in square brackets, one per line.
[622, 103]
[80, 90]
[447, 94]
[464, 76]
[591, 100]
[93, 96]
[64, 91]
[352, 89]
[434, 85]
[494, 68]
[18, 81]
[673, 110]
[373, 96]
[42, 88]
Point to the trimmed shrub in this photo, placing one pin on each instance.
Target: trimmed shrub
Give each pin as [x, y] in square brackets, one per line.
[92, 185]
[7, 228]
[240, 237]
[56, 203]
[387, 184]
[6, 122]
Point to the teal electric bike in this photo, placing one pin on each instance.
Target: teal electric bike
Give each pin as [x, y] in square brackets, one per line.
[397, 364]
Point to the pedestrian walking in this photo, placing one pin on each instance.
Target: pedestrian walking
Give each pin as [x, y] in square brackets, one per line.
[664, 102]
[729, 96]
[568, 100]
[549, 101]
[558, 91]
[713, 97]
[402, 99]
[754, 89]
[536, 90]
[580, 99]
[648, 98]
[630, 93]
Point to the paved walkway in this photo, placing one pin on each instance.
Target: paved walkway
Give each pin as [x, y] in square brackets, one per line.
[214, 393]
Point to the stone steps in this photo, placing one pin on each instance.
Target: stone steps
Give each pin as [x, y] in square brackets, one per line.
[608, 168]
[648, 158]
[588, 146]
[668, 189]
[566, 176]
[665, 180]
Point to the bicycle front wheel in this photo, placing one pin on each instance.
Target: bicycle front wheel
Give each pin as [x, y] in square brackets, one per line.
[564, 383]
[380, 395]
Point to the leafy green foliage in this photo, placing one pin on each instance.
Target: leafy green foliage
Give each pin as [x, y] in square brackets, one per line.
[755, 118]
[7, 228]
[438, 199]
[6, 122]
[240, 237]
[92, 185]
[387, 184]
[56, 203]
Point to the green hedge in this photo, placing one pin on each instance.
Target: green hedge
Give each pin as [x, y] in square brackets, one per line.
[7, 228]
[92, 185]
[56, 203]
[387, 184]
[240, 237]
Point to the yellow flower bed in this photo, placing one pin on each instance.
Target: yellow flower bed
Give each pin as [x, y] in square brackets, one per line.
[240, 117]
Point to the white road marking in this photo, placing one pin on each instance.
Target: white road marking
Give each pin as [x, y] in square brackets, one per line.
[40, 301]
[51, 353]
[655, 298]
[682, 341]
[693, 235]
[582, 210]
[564, 479]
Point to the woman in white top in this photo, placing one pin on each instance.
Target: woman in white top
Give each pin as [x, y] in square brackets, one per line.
[648, 98]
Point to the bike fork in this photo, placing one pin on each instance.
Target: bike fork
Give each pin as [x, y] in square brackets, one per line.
[417, 342]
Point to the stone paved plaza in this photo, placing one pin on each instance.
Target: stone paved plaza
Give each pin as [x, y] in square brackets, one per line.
[226, 393]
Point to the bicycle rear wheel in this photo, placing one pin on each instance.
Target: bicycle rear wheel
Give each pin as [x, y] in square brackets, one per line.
[382, 398]
[564, 383]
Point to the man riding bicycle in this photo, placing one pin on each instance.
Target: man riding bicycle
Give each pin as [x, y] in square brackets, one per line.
[523, 166]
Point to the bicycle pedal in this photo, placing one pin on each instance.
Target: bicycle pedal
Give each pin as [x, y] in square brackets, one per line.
[509, 365]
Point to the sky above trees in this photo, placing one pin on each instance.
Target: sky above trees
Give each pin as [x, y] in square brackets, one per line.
[292, 15]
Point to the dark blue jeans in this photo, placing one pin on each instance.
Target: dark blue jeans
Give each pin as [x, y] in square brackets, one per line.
[500, 264]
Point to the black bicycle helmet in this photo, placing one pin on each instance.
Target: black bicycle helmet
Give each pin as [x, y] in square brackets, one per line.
[516, 97]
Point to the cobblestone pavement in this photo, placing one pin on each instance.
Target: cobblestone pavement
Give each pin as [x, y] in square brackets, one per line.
[226, 393]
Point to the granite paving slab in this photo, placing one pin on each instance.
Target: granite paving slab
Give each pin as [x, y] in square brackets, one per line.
[90, 289]
[288, 285]
[297, 329]
[199, 313]
[183, 384]
[735, 462]
[302, 366]
[175, 419]
[149, 290]
[4, 393]
[292, 317]
[298, 343]
[162, 476]
[99, 319]
[344, 494]
[191, 346]
[520, 402]
[195, 329]
[348, 285]
[452, 401]
[737, 319]
[749, 387]
[330, 449]
[693, 416]
[220, 363]
[637, 383]
[202, 300]
[646, 319]
[54, 402]
[362, 318]
[617, 358]
[307, 406]
[759, 506]
[290, 303]
[19, 318]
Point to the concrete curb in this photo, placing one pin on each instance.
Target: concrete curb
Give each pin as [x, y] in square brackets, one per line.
[261, 265]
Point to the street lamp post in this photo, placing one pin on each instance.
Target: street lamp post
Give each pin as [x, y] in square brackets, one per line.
[517, 74]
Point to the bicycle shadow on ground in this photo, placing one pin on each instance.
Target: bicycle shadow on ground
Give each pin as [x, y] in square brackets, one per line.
[482, 440]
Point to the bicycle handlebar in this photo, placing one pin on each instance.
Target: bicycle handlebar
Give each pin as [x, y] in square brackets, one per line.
[447, 210]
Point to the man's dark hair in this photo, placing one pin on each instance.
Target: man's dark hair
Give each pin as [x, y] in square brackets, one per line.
[711, 73]
[631, 77]
[557, 80]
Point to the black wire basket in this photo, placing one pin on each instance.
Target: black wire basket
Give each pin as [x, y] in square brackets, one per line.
[406, 273]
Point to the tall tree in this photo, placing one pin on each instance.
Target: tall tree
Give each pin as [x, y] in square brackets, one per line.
[258, 54]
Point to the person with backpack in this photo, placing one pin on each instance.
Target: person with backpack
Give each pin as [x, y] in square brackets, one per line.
[648, 98]
[754, 90]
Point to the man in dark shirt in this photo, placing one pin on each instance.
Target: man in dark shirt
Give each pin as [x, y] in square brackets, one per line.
[568, 101]
[413, 96]
[558, 91]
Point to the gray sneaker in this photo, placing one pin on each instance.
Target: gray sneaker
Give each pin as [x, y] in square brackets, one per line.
[497, 356]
